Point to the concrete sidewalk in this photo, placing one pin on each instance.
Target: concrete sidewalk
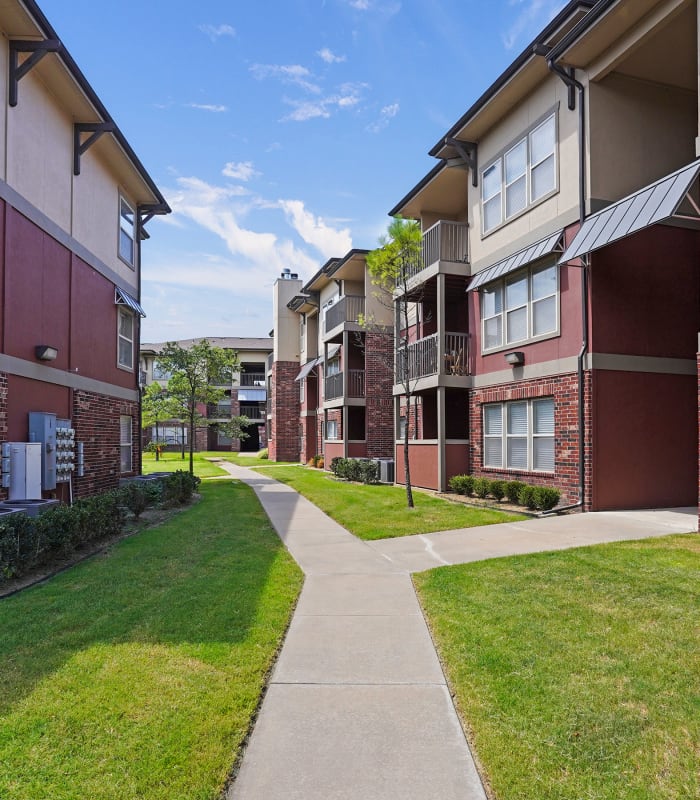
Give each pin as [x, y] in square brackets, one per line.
[357, 707]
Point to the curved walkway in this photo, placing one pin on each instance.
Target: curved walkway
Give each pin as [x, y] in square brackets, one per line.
[358, 707]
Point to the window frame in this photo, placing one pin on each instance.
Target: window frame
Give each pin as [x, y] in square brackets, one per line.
[499, 161]
[129, 230]
[507, 435]
[501, 285]
[124, 445]
[127, 314]
[331, 425]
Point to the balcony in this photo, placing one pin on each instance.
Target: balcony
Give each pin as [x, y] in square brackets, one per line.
[335, 384]
[444, 241]
[424, 357]
[252, 379]
[254, 414]
[347, 309]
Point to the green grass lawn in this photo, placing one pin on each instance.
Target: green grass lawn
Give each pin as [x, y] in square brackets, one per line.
[169, 462]
[380, 512]
[577, 672]
[135, 674]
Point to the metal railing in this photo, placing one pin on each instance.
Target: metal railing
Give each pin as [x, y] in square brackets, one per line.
[347, 309]
[356, 383]
[333, 386]
[255, 414]
[336, 385]
[424, 357]
[252, 379]
[443, 241]
[269, 361]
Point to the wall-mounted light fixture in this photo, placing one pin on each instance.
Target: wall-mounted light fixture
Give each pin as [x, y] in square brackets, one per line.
[516, 359]
[44, 352]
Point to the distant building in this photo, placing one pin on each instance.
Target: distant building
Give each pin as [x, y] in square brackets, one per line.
[74, 200]
[245, 395]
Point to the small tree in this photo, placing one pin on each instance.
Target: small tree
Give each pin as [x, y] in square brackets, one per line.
[197, 374]
[157, 406]
[391, 266]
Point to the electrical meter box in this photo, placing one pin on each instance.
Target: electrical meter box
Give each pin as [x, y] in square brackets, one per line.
[25, 470]
[42, 429]
[65, 450]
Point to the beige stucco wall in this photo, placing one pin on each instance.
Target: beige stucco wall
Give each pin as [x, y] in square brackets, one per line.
[285, 321]
[639, 132]
[378, 304]
[547, 216]
[39, 141]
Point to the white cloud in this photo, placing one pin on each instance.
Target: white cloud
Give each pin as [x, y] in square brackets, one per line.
[240, 171]
[385, 115]
[315, 231]
[329, 56]
[215, 32]
[348, 95]
[359, 5]
[214, 109]
[294, 74]
[533, 15]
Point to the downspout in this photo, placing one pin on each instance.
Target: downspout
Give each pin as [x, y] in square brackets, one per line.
[569, 78]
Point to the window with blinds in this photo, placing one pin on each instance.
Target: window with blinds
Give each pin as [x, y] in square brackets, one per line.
[519, 435]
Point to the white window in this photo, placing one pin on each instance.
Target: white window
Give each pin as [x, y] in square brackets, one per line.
[301, 390]
[302, 333]
[125, 339]
[519, 435]
[160, 373]
[169, 434]
[332, 367]
[522, 307]
[127, 233]
[125, 444]
[521, 176]
[331, 429]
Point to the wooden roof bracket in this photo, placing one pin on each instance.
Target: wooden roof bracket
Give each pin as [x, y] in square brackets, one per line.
[37, 50]
[95, 129]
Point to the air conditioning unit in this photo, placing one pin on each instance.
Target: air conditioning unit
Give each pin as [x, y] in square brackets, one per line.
[386, 470]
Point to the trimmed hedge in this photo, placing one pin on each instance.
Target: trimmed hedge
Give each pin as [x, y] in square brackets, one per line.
[359, 470]
[543, 498]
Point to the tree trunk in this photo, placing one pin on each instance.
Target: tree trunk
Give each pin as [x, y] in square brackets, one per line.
[192, 434]
[406, 459]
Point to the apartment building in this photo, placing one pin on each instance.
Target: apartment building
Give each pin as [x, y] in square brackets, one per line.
[75, 201]
[244, 394]
[557, 312]
[332, 364]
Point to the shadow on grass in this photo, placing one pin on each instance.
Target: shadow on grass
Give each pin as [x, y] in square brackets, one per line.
[195, 582]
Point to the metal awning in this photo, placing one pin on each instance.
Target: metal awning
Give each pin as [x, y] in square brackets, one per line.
[545, 247]
[303, 373]
[122, 298]
[668, 198]
[333, 350]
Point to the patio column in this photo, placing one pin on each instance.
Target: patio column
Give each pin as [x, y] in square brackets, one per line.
[442, 444]
[441, 322]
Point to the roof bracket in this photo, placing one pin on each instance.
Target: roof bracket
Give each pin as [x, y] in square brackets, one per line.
[95, 129]
[37, 50]
[468, 153]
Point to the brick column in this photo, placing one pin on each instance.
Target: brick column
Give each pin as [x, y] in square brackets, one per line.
[379, 353]
[284, 440]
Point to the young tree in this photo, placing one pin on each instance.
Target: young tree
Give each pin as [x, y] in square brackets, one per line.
[197, 375]
[391, 266]
[156, 407]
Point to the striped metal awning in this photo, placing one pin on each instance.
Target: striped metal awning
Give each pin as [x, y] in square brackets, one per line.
[670, 197]
[545, 247]
[303, 373]
[122, 298]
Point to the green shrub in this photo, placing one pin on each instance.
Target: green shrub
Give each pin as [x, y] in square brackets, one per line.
[461, 484]
[135, 497]
[526, 496]
[482, 486]
[369, 471]
[338, 466]
[264, 453]
[179, 487]
[546, 498]
[18, 545]
[58, 531]
[498, 489]
[353, 470]
[513, 491]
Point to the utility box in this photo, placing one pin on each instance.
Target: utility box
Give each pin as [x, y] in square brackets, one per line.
[25, 470]
[42, 429]
[65, 451]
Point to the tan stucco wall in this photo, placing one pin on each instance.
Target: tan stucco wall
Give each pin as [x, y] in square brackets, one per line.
[545, 217]
[286, 321]
[639, 132]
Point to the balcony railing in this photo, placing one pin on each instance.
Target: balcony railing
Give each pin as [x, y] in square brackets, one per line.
[269, 361]
[347, 309]
[334, 384]
[444, 241]
[424, 357]
[255, 414]
[252, 379]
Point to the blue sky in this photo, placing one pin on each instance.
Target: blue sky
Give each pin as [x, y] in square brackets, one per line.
[281, 133]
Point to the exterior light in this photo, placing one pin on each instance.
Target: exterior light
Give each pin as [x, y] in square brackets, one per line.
[44, 352]
[516, 359]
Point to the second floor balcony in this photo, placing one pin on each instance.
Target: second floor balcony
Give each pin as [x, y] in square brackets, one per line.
[254, 413]
[252, 379]
[348, 309]
[426, 357]
[445, 241]
[350, 383]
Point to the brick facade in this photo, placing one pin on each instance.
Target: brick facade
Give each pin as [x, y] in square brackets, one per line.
[379, 353]
[564, 390]
[310, 437]
[284, 442]
[96, 422]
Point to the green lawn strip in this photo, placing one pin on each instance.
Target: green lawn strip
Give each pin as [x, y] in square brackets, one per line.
[577, 672]
[135, 674]
[380, 512]
[171, 462]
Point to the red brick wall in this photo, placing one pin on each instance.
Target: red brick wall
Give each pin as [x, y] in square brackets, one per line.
[564, 390]
[96, 422]
[3, 419]
[284, 441]
[379, 349]
[309, 438]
